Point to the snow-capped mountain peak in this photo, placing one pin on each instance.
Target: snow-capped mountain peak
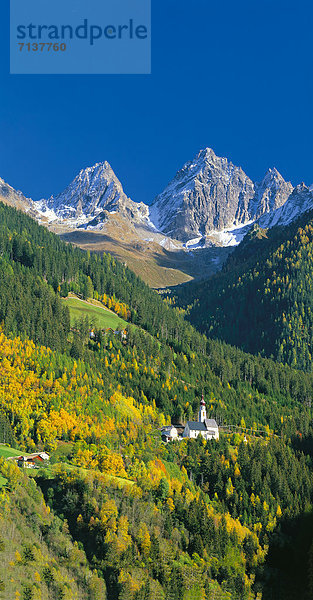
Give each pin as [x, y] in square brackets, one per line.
[93, 189]
[94, 192]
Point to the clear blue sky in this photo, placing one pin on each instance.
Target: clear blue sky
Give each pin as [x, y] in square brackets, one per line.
[235, 76]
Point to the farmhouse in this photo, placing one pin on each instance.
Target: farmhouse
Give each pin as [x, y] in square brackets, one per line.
[31, 461]
[208, 428]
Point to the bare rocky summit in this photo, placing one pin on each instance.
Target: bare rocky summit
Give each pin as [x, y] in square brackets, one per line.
[210, 194]
[299, 202]
[95, 193]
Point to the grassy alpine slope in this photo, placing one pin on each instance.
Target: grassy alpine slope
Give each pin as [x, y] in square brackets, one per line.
[95, 314]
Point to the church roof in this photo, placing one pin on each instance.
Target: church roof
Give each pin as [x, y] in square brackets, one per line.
[210, 423]
[196, 426]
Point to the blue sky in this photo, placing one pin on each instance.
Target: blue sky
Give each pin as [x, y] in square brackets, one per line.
[235, 76]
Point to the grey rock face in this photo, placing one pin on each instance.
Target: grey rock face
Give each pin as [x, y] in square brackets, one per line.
[211, 194]
[15, 198]
[271, 193]
[94, 190]
[299, 202]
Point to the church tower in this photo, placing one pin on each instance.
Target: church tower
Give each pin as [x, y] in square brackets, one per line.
[202, 411]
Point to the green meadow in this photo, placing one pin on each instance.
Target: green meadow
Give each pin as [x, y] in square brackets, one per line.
[6, 451]
[96, 314]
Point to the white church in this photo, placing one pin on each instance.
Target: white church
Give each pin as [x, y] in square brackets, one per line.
[208, 428]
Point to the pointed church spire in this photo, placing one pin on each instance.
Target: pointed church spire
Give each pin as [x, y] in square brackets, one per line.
[202, 410]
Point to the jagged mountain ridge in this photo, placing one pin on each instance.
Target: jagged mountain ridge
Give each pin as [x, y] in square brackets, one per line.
[210, 202]
[210, 194]
[299, 202]
[12, 197]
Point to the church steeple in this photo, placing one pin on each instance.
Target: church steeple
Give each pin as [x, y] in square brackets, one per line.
[202, 411]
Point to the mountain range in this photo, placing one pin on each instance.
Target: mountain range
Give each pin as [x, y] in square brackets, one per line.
[209, 205]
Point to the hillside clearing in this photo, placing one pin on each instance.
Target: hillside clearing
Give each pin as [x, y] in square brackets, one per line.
[97, 315]
[6, 451]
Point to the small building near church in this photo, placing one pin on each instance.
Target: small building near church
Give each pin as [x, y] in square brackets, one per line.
[207, 428]
[169, 433]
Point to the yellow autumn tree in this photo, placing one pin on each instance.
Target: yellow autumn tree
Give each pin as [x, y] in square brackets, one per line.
[144, 539]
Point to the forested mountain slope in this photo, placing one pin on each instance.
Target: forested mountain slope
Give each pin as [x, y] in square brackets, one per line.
[145, 521]
[167, 357]
[112, 487]
[262, 302]
[38, 556]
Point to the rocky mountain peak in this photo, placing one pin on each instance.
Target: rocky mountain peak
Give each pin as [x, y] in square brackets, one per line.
[93, 194]
[301, 187]
[210, 194]
[206, 155]
[298, 202]
[271, 193]
[272, 175]
[93, 187]
[97, 173]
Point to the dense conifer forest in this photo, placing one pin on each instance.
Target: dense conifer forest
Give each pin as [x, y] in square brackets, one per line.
[262, 301]
[118, 514]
